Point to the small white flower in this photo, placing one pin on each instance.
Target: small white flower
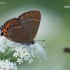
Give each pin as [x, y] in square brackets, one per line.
[19, 60]
[2, 49]
[7, 65]
[16, 54]
[30, 60]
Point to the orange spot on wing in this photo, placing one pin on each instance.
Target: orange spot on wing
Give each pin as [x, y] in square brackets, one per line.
[5, 29]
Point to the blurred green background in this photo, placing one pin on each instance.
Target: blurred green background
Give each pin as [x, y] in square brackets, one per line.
[54, 28]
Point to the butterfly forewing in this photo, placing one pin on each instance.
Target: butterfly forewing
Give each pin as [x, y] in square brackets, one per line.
[30, 21]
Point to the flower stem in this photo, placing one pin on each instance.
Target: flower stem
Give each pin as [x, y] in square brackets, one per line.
[13, 59]
[8, 55]
[2, 54]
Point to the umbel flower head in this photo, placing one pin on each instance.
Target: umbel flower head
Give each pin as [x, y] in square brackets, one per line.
[7, 65]
[12, 53]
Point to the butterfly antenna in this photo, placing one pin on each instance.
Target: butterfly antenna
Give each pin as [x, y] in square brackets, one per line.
[39, 40]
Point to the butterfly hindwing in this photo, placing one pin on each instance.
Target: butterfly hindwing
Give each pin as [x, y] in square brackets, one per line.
[31, 21]
[16, 31]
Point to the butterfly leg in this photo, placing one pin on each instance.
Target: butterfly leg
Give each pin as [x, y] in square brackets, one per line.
[25, 43]
[32, 42]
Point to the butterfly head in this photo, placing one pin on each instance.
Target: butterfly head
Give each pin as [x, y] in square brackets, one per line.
[1, 31]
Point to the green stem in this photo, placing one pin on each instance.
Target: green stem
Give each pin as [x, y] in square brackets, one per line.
[13, 59]
[8, 54]
[2, 54]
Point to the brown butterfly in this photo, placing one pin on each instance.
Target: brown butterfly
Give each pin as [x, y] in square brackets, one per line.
[22, 29]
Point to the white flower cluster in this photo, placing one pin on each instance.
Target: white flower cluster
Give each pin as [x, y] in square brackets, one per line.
[7, 65]
[26, 52]
[20, 52]
[2, 45]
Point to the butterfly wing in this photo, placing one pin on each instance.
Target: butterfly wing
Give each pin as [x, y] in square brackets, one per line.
[15, 31]
[30, 21]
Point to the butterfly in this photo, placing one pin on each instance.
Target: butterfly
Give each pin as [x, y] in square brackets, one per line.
[22, 29]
